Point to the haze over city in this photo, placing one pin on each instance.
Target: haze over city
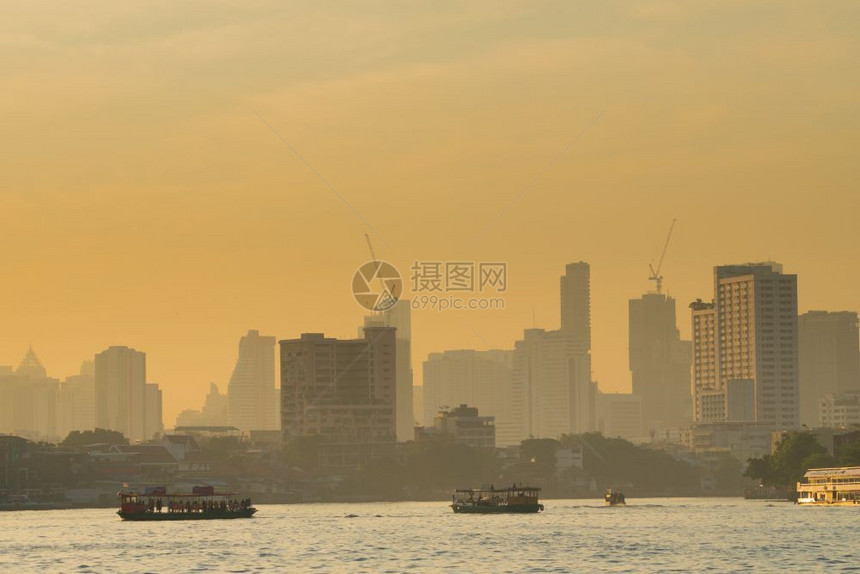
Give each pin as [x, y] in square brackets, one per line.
[146, 204]
[394, 262]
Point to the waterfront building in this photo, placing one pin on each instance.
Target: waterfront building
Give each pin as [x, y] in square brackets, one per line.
[342, 391]
[839, 410]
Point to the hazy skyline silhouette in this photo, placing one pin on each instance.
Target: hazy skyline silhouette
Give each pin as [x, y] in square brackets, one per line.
[145, 204]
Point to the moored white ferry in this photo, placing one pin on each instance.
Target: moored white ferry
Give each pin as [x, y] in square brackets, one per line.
[830, 486]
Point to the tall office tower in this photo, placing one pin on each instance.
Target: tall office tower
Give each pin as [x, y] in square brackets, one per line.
[400, 317]
[251, 393]
[576, 304]
[829, 359]
[28, 400]
[552, 387]
[659, 362]
[481, 379]
[78, 400]
[343, 390]
[153, 425]
[120, 383]
[754, 338]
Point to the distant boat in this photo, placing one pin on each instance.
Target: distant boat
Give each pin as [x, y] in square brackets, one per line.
[514, 499]
[830, 487]
[614, 498]
[202, 504]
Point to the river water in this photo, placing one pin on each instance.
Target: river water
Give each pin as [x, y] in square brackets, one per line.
[649, 535]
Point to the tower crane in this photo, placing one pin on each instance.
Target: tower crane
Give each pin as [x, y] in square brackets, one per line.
[655, 273]
[370, 247]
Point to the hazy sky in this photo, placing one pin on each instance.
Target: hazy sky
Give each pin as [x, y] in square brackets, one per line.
[144, 203]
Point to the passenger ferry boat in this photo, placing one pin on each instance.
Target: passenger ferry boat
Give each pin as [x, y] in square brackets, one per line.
[614, 498]
[830, 486]
[202, 504]
[513, 499]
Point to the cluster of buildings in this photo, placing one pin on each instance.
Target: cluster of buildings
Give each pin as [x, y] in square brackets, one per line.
[754, 367]
[109, 392]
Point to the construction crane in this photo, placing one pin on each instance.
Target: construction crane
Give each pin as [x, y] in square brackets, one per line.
[370, 247]
[655, 273]
[375, 271]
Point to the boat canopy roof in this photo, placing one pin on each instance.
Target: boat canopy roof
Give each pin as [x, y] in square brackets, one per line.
[840, 472]
[504, 489]
[164, 495]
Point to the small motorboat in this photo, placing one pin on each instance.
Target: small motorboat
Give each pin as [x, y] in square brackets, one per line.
[614, 497]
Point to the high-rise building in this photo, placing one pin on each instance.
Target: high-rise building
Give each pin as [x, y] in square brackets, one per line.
[400, 317]
[659, 362]
[120, 384]
[552, 387]
[77, 409]
[478, 378]
[252, 395]
[829, 358]
[748, 333]
[340, 390]
[28, 400]
[153, 425]
[576, 305]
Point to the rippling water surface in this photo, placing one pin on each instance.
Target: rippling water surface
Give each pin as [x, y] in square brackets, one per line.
[572, 535]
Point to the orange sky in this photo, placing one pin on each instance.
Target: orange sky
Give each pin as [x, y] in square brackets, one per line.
[143, 203]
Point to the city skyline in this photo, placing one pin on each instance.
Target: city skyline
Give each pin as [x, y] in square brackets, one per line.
[173, 407]
[163, 214]
[366, 268]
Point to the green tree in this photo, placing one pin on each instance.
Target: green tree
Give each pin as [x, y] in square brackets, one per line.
[795, 453]
[617, 462]
[540, 450]
[849, 455]
[89, 437]
[761, 469]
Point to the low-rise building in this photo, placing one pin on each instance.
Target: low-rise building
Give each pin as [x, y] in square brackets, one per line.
[839, 410]
[467, 427]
